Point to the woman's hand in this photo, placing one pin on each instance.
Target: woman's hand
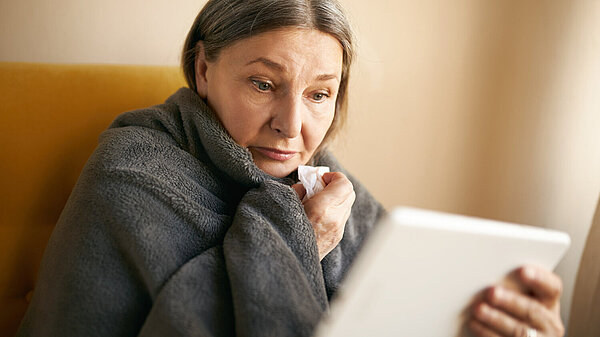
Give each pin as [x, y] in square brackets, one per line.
[329, 210]
[505, 312]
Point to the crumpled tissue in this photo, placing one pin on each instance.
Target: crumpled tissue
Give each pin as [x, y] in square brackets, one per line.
[312, 179]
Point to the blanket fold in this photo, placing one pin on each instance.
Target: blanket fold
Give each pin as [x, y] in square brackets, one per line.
[281, 244]
[171, 230]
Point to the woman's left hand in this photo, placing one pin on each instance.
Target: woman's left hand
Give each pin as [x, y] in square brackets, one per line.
[534, 312]
[328, 210]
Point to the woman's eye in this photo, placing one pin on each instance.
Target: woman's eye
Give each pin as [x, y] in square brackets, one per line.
[262, 86]
[319, 96]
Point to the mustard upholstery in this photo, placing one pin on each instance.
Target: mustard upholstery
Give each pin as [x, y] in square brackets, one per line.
[50, 119]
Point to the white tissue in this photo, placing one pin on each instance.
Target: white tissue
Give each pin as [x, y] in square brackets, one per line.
[312, 179]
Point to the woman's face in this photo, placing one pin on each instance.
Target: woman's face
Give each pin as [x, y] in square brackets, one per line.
[275, 94]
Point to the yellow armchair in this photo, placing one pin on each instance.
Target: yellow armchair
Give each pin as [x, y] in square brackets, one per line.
[50, 118]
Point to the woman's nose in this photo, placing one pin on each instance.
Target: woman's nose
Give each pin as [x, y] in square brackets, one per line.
[287, 119]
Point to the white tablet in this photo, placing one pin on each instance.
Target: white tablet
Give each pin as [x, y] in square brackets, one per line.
[420, 270]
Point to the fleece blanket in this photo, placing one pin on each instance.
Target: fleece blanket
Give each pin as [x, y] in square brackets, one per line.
[171, 230]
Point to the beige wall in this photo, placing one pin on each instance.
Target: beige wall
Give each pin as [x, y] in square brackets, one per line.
[97, 31]
[486, 108]
[481, 108]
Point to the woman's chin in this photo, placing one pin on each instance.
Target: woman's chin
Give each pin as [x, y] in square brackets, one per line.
[278, 170]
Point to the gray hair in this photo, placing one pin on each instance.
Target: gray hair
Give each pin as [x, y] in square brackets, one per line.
[223, 22]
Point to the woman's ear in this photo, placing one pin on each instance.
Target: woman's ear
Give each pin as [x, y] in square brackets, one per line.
[200, 70]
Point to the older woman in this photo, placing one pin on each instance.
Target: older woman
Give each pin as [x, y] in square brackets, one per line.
[187, 219]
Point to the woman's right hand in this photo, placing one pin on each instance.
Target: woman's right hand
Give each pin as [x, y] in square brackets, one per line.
[329, 210]
[533, 310]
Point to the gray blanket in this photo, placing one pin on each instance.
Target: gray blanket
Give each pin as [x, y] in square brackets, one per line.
[171, 230]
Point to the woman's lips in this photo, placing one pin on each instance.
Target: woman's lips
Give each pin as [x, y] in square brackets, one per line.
[275, 154]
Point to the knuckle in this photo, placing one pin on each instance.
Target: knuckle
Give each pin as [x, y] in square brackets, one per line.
[347, 185]
[338, 175]
[559, 287]
[341, 176]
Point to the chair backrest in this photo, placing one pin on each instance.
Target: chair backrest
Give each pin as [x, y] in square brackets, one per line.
[585, 308]
[50, 119]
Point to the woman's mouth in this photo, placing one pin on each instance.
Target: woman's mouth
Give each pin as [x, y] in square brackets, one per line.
[275, 154]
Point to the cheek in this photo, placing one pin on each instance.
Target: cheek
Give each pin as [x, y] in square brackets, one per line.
[240, 116]
[316, 130]
[243, 119]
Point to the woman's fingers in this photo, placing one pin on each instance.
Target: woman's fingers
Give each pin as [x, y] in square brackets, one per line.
[481, 330]
[337, 190]
[497, 322]
[507, 312]
[510, 313]
[523, 308]
[329, 176]
[545, 285]
[338, 184]
[300, 190]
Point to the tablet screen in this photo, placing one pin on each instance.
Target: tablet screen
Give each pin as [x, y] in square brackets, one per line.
[420, 270]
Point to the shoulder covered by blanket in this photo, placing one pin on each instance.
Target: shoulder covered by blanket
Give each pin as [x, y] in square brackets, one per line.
[171, 230]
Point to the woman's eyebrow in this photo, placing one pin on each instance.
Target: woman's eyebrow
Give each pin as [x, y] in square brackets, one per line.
[276, 66]
[268, 63]
[326, 77]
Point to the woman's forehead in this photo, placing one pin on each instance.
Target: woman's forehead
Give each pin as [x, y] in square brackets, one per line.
[287, 50]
